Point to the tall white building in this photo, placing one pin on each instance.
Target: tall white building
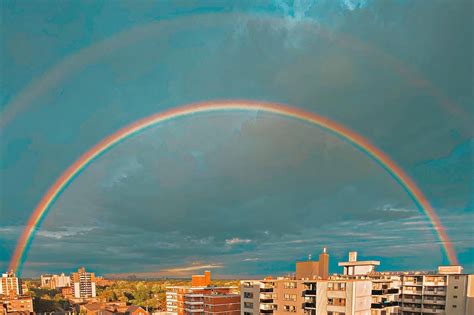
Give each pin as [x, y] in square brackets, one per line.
[10, 285]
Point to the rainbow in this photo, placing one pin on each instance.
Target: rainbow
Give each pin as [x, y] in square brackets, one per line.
[109, 142]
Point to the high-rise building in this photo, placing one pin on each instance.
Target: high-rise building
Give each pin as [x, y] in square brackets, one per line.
[202, 298]
[83, 284]
[288, 295]
[447, 291]
[55, 281]
[10, 285]
[385, 287]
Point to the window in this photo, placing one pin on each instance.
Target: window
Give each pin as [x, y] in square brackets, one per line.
[456, 277]
[337, 301]
[455, 286]
[248, 295]
[336, 286]
[455, 296]
[289, 297]
[455, 306]
[248, 305]
[289, 308]
[248, 313]
[289, 285]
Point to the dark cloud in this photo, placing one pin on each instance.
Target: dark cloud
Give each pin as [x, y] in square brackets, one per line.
[399, 73]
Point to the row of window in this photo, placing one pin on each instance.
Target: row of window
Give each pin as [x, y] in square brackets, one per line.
[337, 301]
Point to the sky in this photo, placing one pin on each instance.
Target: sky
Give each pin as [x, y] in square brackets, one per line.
[242, 194]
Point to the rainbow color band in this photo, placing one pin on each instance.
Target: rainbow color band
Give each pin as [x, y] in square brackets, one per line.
[106, 144]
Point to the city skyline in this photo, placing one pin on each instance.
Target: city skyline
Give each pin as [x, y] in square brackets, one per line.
[242, 193]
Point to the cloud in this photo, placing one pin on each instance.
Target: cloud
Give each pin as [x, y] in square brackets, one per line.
[68, 232]
[194, 268]
[236, 240]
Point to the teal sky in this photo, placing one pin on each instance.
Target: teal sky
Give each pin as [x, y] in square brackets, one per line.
[244, 194]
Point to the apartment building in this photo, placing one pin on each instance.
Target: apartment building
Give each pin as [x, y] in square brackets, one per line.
[16, 304]
[55, 281]
[447, 291]
[10, 285]
[222, 304]
[83, 284]
[385, 286]
[333, 296]
[202, 298]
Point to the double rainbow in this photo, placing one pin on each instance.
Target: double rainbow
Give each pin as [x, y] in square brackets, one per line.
[106, 144]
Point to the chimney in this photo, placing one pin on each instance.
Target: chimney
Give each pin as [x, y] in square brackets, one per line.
[324, 264]
[207, 277]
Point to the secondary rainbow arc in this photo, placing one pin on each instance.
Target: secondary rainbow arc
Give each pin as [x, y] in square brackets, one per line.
[106, 144]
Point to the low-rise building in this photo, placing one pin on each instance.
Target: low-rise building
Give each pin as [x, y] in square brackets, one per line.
[201, 297]
[17, 304]
[55, 281]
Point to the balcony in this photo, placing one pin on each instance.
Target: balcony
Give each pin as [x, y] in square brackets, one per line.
[435, 292]
[384, 304]
[385, 291]
[309, 293]
[435, 283]
[426, 310]
[194, 302]
[410, 308]
[435, 301]
[416, 300]
[309, 305]
[413, 292]
[267, 307]
[266, 290]
[194, 310]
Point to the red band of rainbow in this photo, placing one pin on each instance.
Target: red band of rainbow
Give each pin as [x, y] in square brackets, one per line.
[355, 139]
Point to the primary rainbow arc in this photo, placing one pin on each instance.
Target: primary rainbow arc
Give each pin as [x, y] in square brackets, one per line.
[106, 144]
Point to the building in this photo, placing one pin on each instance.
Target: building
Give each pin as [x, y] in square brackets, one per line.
[55, 281]
[313, 269]
[334, 296]
[353, 267]
[201, 297]
[311, 291]
[83, 284]
[10, 285]
[135, 310]
[221, 304]
[385, 286]
[109, 308]
[447, 291]
[17, 304]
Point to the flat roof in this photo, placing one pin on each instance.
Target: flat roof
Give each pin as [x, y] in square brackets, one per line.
[359, 263]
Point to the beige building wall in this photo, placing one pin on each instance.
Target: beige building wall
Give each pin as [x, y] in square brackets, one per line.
[289, 298]
[250, 297]
[307, 269]
[470, 295]
[456, 294]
